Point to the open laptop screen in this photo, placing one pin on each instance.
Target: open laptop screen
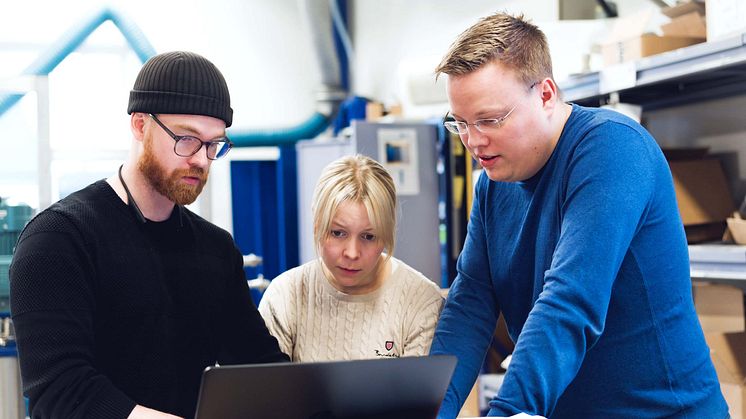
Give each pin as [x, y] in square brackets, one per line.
[407, 387]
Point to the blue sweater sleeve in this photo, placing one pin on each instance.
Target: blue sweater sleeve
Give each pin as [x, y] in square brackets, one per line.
[606, 189]
[471, 301]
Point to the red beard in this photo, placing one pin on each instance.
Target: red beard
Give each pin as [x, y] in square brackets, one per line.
[170, 185]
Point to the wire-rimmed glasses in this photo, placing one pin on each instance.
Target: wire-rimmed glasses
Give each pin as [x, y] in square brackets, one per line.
[485, 126]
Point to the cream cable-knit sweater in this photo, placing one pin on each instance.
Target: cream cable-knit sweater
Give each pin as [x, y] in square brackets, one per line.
[313, 321]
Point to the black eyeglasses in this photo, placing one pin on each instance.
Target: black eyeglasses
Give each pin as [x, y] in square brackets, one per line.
[187, 145]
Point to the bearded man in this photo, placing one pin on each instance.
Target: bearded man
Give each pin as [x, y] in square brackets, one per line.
[120, 296]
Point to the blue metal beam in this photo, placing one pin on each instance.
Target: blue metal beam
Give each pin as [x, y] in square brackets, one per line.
[73, 38]
[136, 39]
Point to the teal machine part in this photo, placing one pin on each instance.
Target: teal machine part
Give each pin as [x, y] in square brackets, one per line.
[4, 282]
[12, 220]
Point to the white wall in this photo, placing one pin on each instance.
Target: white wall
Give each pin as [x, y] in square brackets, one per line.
[390, 33]
[261, 47]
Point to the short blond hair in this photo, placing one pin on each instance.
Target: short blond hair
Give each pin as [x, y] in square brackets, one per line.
[357, 179]
[511, 40]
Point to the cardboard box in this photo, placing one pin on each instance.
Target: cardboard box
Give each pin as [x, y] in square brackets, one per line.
[703, 197]
[719, 307]
[685, 8]
[728, 353]
[725, 19]
[736, 228]
[701, 190]
[470, 409]
[643, 46]
[640, 35]
[691, 24]
[735, 396]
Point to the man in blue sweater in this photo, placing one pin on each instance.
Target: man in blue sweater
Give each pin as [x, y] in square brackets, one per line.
[575, 237]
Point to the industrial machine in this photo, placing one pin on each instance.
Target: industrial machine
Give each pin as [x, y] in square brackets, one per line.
[12, 220]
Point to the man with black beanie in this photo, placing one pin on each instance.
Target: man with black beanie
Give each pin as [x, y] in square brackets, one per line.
[120, 296]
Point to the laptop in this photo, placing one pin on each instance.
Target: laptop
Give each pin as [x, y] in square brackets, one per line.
[407, 387]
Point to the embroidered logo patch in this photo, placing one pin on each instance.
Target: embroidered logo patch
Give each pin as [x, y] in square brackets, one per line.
[389, 345]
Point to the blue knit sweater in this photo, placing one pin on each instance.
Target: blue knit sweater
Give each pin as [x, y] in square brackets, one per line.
[588, 262]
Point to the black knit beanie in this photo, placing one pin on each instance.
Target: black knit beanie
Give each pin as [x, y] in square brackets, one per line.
[181, 82]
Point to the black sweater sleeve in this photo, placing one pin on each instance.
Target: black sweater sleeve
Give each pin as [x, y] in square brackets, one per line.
[53, 304]
[245, 337]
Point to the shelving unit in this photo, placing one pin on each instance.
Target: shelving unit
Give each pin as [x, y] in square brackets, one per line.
[737, 279]
[700, 72]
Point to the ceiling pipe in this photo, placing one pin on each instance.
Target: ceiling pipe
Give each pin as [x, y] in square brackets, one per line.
[317, 18]
[73, 38]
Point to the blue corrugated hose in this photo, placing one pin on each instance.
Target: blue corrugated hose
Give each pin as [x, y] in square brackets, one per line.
[71, 40]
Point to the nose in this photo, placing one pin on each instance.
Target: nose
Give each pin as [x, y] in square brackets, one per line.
[351, 249]
[474, 137]
[200, 158]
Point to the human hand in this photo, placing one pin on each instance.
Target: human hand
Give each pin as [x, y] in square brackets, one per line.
[142, 412]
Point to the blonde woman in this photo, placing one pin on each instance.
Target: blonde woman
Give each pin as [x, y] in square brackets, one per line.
[355, 301]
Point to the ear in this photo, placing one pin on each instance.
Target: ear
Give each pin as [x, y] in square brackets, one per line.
[137, 125]
[549, 93]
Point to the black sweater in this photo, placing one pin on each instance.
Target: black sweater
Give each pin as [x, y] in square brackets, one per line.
[109, 312]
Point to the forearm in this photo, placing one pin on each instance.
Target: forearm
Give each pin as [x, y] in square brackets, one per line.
[273, 309]
[58, 375]
[280, 333]
[570, 314]
[52, 308]
[244, 335]
[470, 351]
[465, 329]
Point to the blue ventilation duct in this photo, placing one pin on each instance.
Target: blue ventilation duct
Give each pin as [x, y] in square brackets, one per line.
[326, 24]
[313, 126]
[71, 40]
